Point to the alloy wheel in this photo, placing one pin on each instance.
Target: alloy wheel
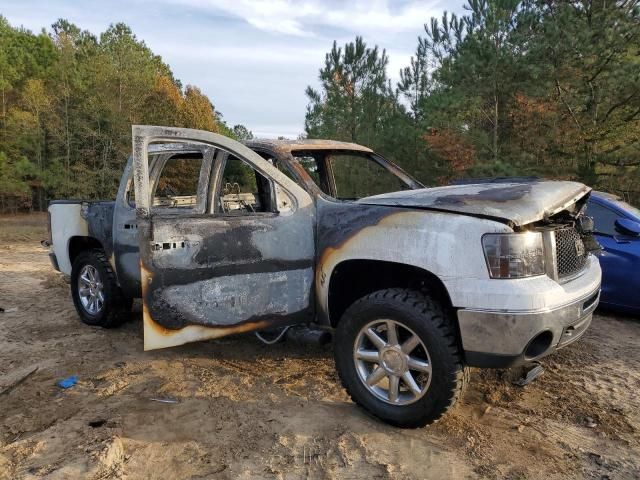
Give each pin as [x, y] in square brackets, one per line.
[91, 290]
[392, 362]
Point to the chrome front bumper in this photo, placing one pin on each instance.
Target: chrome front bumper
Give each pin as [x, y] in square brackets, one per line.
[499, 339]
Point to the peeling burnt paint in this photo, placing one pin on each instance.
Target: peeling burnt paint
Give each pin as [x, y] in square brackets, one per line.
[209, 289]
[339, 224]
[516, 204]
[283, 147]
[226, 261]
[157, 335]
[228, 273]
[99, 218]
[232, 299]
[496, 195]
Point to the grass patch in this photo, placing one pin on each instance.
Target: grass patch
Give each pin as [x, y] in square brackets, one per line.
[27, 227]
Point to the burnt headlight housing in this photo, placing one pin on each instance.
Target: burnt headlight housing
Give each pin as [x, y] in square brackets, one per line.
[514, 255]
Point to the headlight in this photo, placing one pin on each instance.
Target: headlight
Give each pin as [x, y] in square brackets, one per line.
[514, 255]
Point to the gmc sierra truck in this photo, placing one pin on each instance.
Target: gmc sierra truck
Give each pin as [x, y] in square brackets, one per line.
[416, 284]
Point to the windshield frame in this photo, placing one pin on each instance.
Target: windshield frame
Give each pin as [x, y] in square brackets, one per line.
[323, 160]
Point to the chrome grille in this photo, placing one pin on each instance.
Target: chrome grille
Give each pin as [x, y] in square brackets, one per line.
[571, 254]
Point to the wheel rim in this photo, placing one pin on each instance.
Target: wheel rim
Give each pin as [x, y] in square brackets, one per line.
[90, 290]
[392, 362]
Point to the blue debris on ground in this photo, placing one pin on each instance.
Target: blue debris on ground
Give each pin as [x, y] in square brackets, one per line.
[68, 382]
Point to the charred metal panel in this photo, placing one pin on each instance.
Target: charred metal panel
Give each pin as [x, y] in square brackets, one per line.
[208, 275]
[125, 226]
[225, 270]
[489, 195]
[99, 218]
[287, 146]
[514, 203]
[126, 245]
[232, 299]
[286, 160]
[431, 241]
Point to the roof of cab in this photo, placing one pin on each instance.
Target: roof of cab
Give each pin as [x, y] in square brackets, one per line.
[279, 146]
[287, 146]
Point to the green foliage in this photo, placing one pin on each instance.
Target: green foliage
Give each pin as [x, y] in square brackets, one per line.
[356, 103]
[355, 96]
[68, 99]
[534, 87]
[240, 132]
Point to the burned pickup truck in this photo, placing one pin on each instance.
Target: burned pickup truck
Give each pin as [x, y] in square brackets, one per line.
[416, 284]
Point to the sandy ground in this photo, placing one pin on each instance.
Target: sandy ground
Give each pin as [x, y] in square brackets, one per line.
[247, 410]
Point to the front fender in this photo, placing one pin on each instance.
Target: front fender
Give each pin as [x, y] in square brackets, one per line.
[445, 244]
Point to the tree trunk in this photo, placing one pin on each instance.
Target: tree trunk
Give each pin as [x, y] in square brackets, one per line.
[495, 128]
[67, 141]
[4, 111]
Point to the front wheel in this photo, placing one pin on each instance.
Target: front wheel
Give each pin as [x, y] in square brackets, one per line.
[397, 356]
[96, 295]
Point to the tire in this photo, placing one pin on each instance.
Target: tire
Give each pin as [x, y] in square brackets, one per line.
[435, 363]
[114, 308]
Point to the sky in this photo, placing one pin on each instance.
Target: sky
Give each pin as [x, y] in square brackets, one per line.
[252, 58]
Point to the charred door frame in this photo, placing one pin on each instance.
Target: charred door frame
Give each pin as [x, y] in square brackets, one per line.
[287, 245]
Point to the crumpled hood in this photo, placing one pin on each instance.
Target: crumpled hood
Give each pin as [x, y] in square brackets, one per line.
[517, 203]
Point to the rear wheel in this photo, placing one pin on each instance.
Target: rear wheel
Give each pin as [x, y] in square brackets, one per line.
[96, 295]
[398, 357]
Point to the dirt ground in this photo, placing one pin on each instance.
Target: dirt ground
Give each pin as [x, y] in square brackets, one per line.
[247, 410]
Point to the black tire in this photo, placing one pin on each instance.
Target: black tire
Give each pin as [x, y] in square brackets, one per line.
[116, 307]
[423, 316]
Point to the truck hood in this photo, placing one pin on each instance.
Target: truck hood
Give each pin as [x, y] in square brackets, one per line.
[515, 203]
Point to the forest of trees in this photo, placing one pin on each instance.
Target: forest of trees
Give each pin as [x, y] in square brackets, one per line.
[537, 87]
[69, 99]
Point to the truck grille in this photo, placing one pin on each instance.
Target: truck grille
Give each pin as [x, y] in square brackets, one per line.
[570, 252]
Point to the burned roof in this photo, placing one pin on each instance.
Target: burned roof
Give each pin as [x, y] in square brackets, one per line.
[280, 146]
[173, 147]
[287, 146]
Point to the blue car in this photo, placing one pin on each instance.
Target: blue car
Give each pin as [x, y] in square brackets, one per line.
[617, 229]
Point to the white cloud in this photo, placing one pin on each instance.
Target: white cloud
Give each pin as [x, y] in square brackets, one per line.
[379, 16]
[397, 61]
[249, 55]
[300, 17]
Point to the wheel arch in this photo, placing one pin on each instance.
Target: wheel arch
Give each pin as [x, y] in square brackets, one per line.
[353, 279]
[79, 244]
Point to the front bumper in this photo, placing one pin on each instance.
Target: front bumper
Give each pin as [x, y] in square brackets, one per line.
[499, 339]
